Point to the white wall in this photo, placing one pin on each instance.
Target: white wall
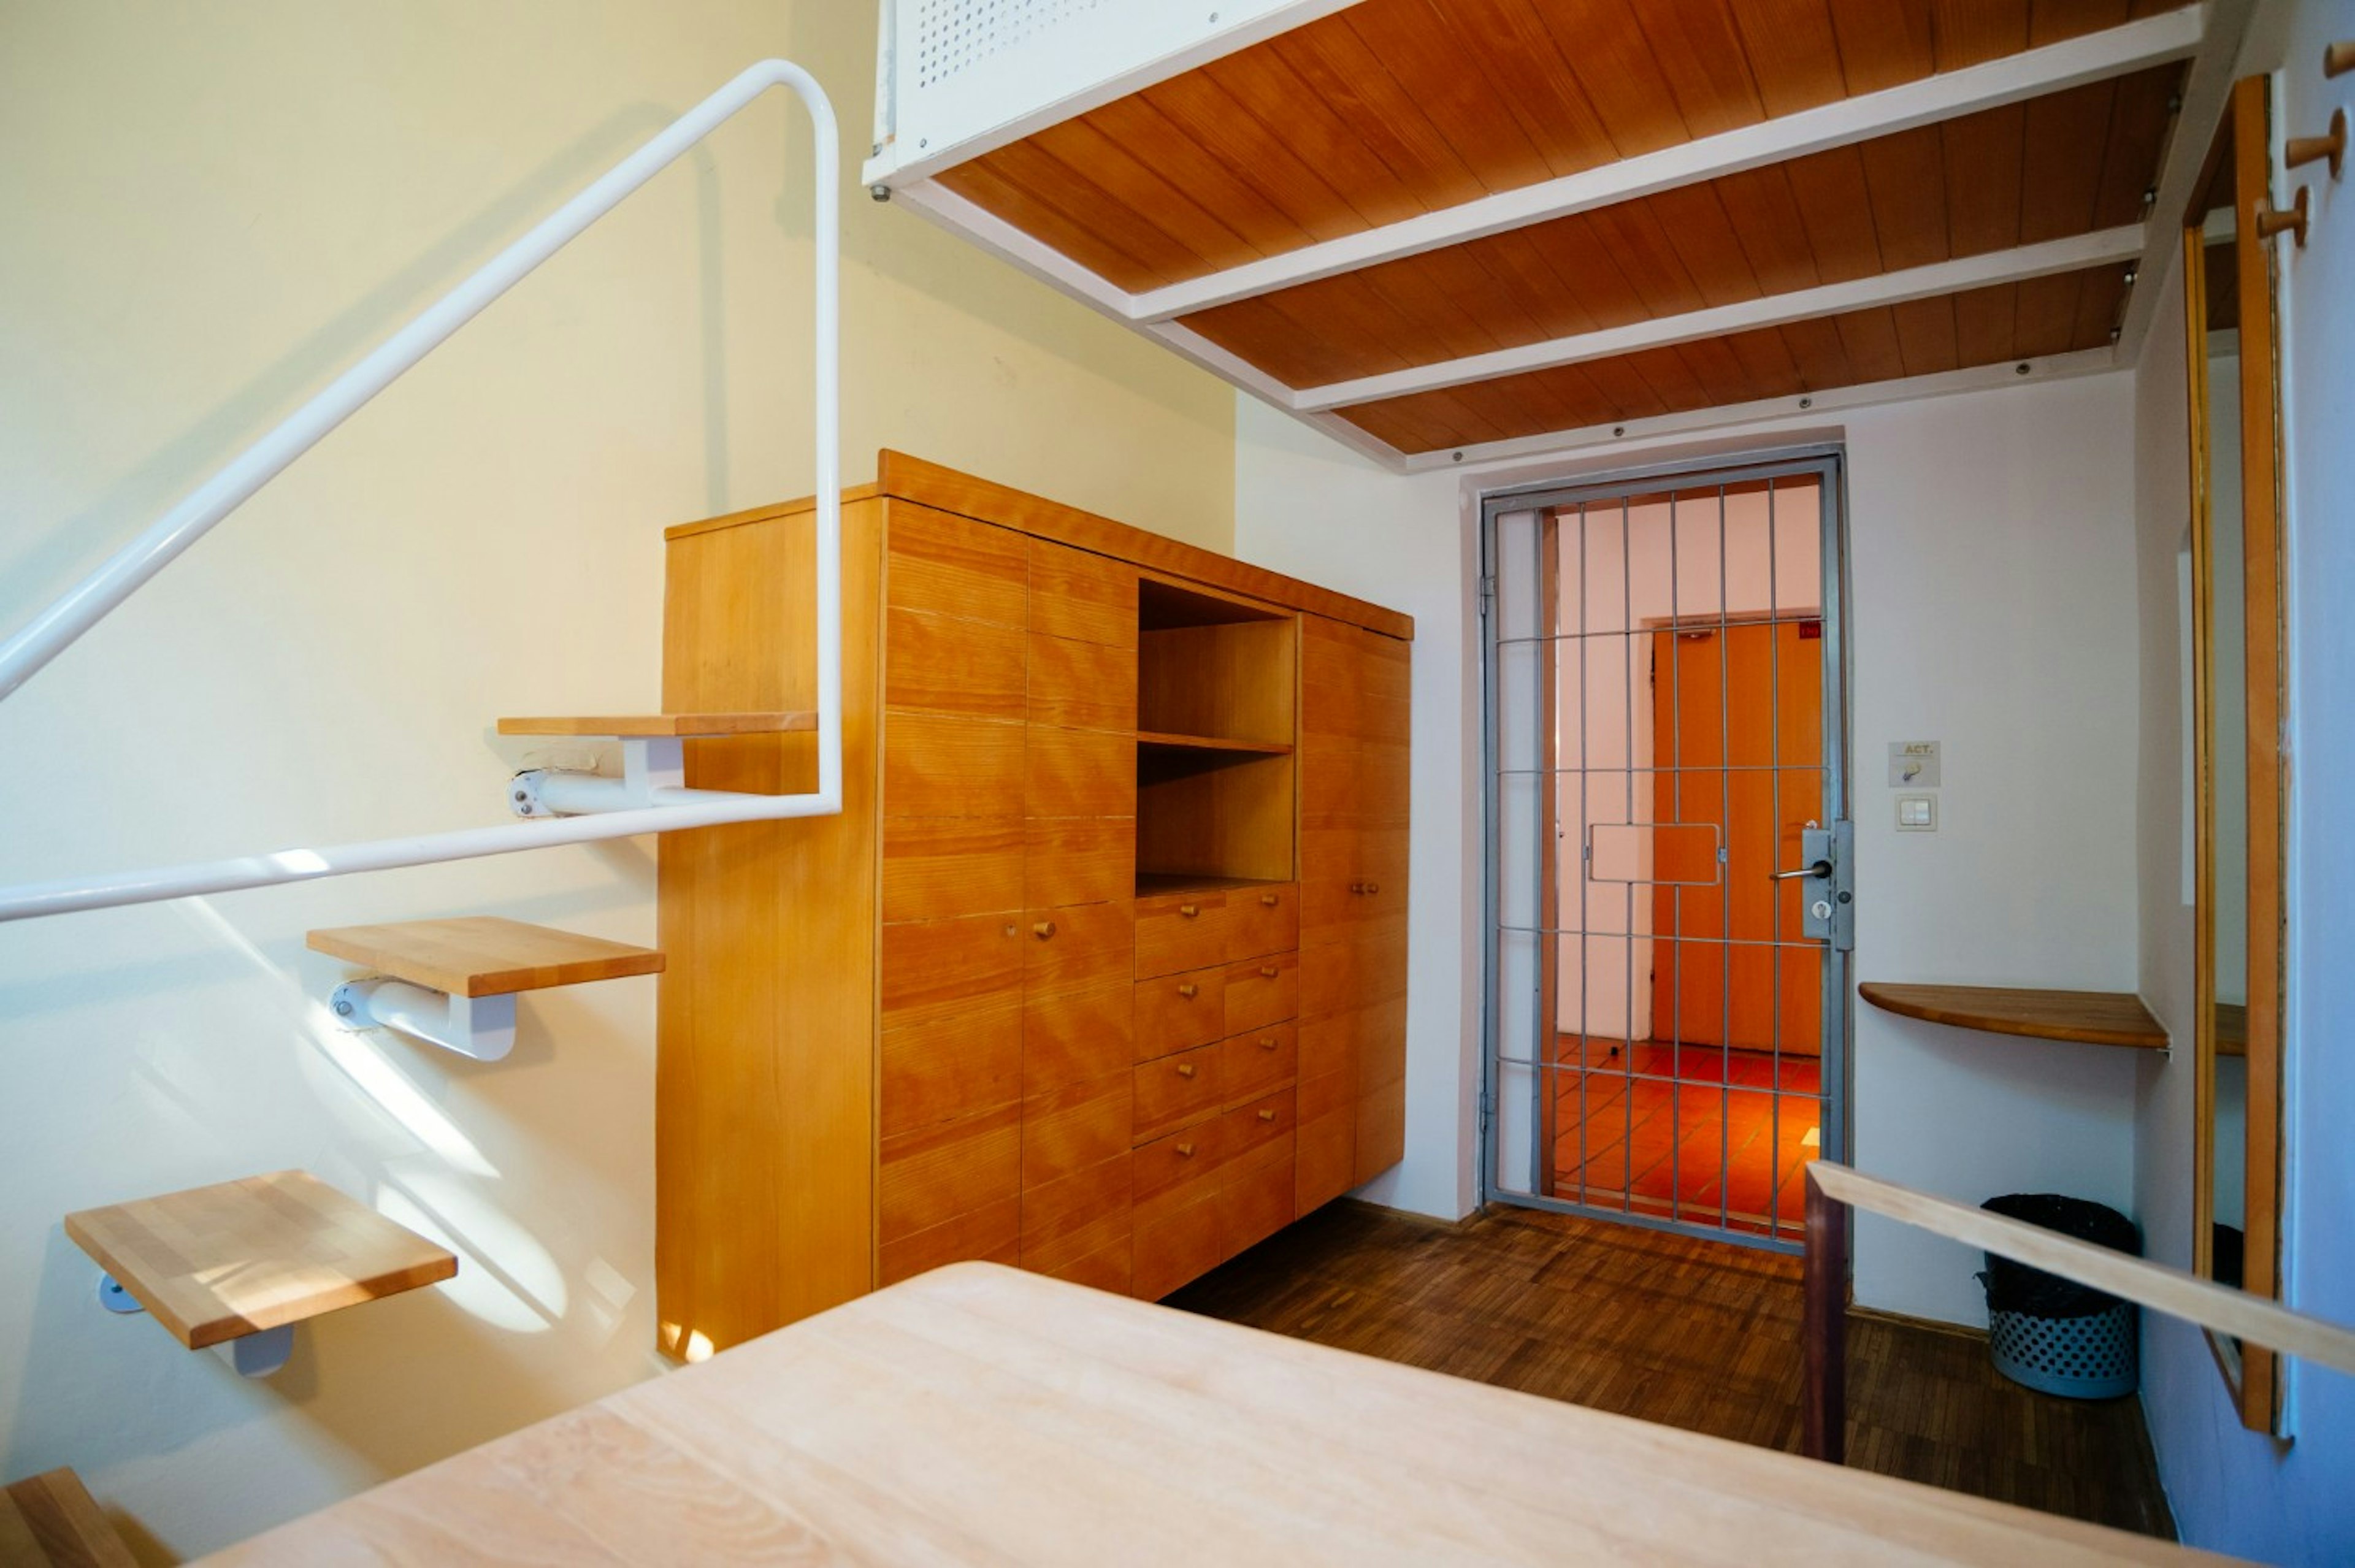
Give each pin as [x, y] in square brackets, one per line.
[209, 209]
[1992, 556]
[2231, 1489]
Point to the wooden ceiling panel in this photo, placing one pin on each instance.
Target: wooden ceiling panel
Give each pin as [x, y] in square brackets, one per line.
[2057, 165]
[2032, 320]
[1392, 108]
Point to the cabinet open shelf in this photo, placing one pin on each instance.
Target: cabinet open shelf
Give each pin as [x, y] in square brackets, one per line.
[2092, 1018]
[1217, 698]
[1182, 743]
[1153, 884]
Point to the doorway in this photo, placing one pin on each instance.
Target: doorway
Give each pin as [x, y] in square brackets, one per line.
[1669, 887]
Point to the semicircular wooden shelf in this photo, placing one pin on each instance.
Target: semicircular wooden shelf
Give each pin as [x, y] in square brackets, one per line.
[2092, 1018]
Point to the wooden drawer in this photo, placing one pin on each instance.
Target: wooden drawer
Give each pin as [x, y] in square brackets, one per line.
[1253, 1064]
[934, 868]
[1251, 1127]
[1079, 773]
[941, 1067]
[1324, 1158]
[938, 764]
[941, 664]
[1080, 1213]
[1324, 1095]
[954, 566]
[1180, 930]
[1174, 1249]
[1328, 1047]
[1069, 1130]
[929, 1176]
[1070, 1035]
[944, 968]
[1256, 1200]
[1262, 991]
[1381, 1131]
[1178, 1090]
[1183, 1167]
[1108, 1270]
[1081, 685]
[1079, 861]
[1262, 920]
[991, 1234]
[1176, 1012]
[1083, 945]
[1087, 597]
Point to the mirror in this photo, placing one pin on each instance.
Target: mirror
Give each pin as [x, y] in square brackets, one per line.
[2236, 685]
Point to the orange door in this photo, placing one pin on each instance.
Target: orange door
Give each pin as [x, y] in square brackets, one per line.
[1738, 747]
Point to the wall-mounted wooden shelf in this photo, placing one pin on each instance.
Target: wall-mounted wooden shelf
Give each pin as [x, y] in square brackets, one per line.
[2093, 1017]
[215, 1264]
[484, 956]
[661, 725]
[50, 1520]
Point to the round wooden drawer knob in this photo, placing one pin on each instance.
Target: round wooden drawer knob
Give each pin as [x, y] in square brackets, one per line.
[1185, 1151]
[1373, 887]
[1187, 1070]
[1268, 1044]
[1268, 901]
[1267, 971]
[1189, 911]
[1267, 1116]
[1356, 887]
[1189, 992]
[1043, 930]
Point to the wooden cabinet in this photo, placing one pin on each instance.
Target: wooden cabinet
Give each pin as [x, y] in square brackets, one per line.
[1094, 974]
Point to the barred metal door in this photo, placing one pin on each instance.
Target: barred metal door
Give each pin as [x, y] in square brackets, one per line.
[1668, 882]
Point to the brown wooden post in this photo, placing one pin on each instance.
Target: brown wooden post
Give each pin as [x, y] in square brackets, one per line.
[1824, 1400]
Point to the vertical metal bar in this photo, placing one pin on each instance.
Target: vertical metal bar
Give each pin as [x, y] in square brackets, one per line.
[1774, 944]
[1725, 867]
[1676, 894]
[1823, 1333]
[1628, 799]
[1544, 1026]
[1492, 860]
[1586, 871]
[1832, 1106]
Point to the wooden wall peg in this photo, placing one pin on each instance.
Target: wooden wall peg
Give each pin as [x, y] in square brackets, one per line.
[2272, 220]
[2303, 150]
[2339, 58]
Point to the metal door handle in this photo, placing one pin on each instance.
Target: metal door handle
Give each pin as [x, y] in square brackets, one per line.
[1818, 870]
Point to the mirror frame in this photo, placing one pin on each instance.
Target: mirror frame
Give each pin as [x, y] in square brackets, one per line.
[2252, 1372]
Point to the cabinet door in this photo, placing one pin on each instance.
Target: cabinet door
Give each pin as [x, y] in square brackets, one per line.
[1353, 962]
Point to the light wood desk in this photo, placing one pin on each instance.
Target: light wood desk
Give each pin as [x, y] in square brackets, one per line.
[978, 1414]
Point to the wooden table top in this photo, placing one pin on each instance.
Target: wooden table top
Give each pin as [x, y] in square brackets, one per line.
[979, 1414]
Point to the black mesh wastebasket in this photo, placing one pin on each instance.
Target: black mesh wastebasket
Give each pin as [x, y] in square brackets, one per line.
[2052, 1334]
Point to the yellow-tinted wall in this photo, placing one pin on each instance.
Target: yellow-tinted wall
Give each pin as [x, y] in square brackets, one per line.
[206, 209]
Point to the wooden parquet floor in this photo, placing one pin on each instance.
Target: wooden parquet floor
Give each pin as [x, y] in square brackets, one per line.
[1690, 1333]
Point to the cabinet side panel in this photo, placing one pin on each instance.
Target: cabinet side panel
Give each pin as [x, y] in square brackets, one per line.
[764, 1099]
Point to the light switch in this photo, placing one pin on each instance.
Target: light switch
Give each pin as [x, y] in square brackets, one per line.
[1917, 813]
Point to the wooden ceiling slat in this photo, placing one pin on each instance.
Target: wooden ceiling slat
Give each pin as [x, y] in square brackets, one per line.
[1416, 293]
[2057, 190]
[1461, 276]
[1698, 48]
[1883, 42]
[1605, 49]
[1968, 32]
[1925, 337]
[1707, 243]
[1450, 88]
[1906, 175]
[1848, 349]
[1203, 112]
[1984, 153]
[1263, 225]
[1816, 348]
[1313, 356]
[1526, 70]
[1519, 264]
[1336, 66]
[1582, 253]
[1836, 203]
[1639, 244]
[2046, 322]
[1085, 242]
[1766, 214]
[1869, 336]
[1983, 324]
[2049, 21]
[1078, 198]
[1077, 144]
[2139, 118]
[1794, 54]
[1271, 92]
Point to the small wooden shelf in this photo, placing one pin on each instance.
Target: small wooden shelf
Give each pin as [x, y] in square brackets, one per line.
[2093, 1017]
[1212, 743]
[51, 1518]
[661, 725]
[215, 1264]
[484, 956]
[1151, 884]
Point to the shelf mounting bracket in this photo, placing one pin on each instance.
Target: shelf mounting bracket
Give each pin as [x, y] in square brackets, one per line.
[481, 1027]
[256, 1355]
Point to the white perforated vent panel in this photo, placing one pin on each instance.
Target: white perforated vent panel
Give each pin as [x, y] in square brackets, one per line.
[957, 77]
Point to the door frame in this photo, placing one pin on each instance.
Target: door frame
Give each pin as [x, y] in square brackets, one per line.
[1826, 463]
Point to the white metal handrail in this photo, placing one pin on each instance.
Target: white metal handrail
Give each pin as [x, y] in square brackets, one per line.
[54, 629]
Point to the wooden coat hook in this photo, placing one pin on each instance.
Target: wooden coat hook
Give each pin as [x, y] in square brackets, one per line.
[2272, 220]
[2339, 58]
[2301, 151]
